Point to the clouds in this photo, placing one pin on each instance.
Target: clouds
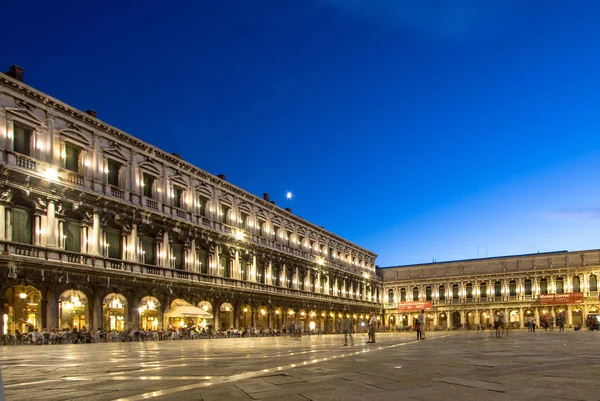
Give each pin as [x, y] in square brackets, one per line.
[456, 20]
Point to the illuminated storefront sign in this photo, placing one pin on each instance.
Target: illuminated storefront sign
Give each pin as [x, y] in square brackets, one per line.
[561, 299]
[414, 306]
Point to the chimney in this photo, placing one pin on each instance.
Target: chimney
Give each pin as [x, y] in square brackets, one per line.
[15, 72]
[273, 202]
[288, 209]
[222, 176]
[266, 197]
[177, 155]
[91, 113]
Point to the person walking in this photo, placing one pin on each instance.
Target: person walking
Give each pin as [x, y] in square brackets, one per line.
[347, 330]
[372, 325]
[551, 323]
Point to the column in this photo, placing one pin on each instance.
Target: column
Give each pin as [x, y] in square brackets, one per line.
[570, 316]
[95, 308]
[253, 276]
[134, 251]
[95, 238]
[521, 322]
[193, 263]
[2, 312]
[2, 223]
[537, 316]
[217, 313]
[134, 186]
[51, 309]
[165, 254]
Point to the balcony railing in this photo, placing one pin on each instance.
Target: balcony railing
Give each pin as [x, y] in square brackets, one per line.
[117, 193]
[100, 263]
[76, 179]
[152, 204]
[25, 162]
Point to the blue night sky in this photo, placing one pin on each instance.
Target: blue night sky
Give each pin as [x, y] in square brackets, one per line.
[418, 129]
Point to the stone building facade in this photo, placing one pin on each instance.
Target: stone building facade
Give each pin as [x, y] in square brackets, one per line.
[101, 229]
[468, 294]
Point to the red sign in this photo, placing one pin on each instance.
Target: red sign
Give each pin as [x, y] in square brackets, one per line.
[416, 306]
[561, 299]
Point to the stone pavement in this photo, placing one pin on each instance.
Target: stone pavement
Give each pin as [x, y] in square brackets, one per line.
[446, 366]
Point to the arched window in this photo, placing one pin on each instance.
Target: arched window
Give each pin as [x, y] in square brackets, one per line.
[22, 221]
[416, 294]
[576, 284]
[455, 293]
[543, 286]
[528, 290]
[442, 293]
[403, 295]
[593, 283]
[498, 289]
[428, 293]
[483, 289]
[560, 286]
[390, 296]
[469, 289]
[512, 288]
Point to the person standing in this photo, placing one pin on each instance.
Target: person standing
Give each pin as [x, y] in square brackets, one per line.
[551, 323]
[372, 325]
[421, 325]
[347, 330]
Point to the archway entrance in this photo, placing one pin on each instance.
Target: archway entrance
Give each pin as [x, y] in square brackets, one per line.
[114, 316]
[485, 320]
[444, 321]
[577, 317]
[456, 320]
[150, 313]
[471, 320]
[226, 316]
[22, 309]
[514, 319]
[73, 308]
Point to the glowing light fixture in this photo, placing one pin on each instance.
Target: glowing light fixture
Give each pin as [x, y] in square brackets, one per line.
[51, 174]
